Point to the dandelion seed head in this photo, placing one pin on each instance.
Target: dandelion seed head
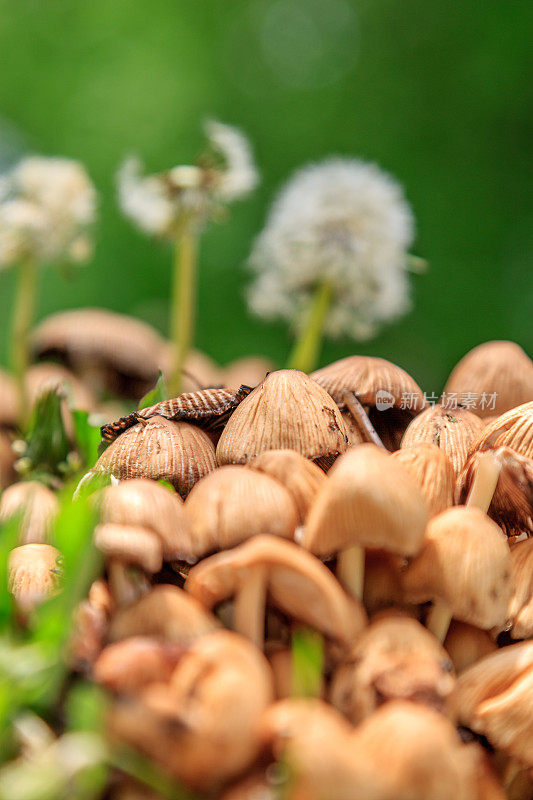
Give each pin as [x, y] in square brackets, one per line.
[345, 222]
[239, 175]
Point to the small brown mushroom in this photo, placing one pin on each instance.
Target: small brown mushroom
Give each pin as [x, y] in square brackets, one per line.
[520, 612]
[388, 393]
[368, 500]
[33, 574]
[131, 664]
[36, 507]
[394, 658]
[451, 430]
[499, 370]
[300, 476]
[160, 449]
[126, 546]
[432, 470]
[269, 568]
[233, 504]
[464, 567]
[513, 429]
[287, 410]
[466, 644]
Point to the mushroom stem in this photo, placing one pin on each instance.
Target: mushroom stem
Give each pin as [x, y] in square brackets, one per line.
[438, 620]
[182, 308]
[305, 352]
[511, 771]
[249, 606]
[351, 569]
[123, 589]
[486, 477]
[360, 417]
[21, 321]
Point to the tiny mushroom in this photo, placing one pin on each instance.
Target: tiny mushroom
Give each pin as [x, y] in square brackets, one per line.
[33, 574]
[131, 664]
[125, 547]
[287, 410]
[35, 506]
[520, 613]
[464, 567]
[269, 569]
[433, 472]
[466, 644]
[368, 500]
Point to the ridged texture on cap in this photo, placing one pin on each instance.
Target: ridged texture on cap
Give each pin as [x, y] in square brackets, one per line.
[368, 499]
[521, 605]
[499, 368]
[160, 449]
[36, 507]
[286, 411]
[432, 470]
[513, 429]
[465, 563]
[452, 430]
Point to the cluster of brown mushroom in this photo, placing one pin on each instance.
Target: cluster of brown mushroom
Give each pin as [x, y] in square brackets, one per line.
[398, 534]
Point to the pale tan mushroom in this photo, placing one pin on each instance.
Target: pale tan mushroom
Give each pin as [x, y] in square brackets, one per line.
[287, 410]
[513, 429]
[453, 430]
[394, 658]
[466, 644]
[233, 504]
[125, 547]
[35, 506]
[464, 567]
[131, 664]
[520, 614]
[34, 574]
[498, 370]
[432, 470]
[269, 569]
[369, 500]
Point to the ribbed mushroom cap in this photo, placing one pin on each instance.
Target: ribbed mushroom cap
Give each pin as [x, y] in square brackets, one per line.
[432, 470]
[286, 411]
[394, 658]
[520, 612]
[160, 449]
[465, 563]
[140, 547]
[300, 476]
[376, 382]
[513, 429]
[466, 644]
[416, 752]
[35, 505]
[249, 371]
[165, 612]
[451, 430]
[511, 506]
[232, 504]
[33, 574]
[297, 584]
[203, 726]
[495, 368]
[133, 663]
[494, 697]
[368, 499]
[126, 352]
[147, 504]
[9, 401]
[7, 461]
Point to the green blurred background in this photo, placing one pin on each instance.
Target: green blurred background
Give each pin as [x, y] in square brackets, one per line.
[439, 92]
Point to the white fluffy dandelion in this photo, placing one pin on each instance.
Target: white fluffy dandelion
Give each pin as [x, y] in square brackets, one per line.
[343, 229]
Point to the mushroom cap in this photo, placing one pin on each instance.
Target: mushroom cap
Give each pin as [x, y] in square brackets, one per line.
[416, 752]
[33, 574]
[466, 644]
[521, 605]
[203, 726]
[287, 410]
[513, 429]
[9, 400]
[147, 504]
[297, 583]
[160, 449]
[300, 476]
[131, 664]
[234, 503]
[140, 547]
[249, 371]
[368, 499]
[165, 612]
[36, 506]
[394, 658]
[433, 472]
[41, 376]
[451, 430]
[7, 461]
[494, 697]
[511, 506]
[199, 371]
[465, 563]
[501, 368]
[354, 434]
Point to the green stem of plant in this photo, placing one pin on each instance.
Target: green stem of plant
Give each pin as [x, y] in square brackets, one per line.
[182, 308]
[21, 321]
[306, 350]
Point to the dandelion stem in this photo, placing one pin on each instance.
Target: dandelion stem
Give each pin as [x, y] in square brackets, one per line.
[21, 321]
[182, 308]
[305, 353]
